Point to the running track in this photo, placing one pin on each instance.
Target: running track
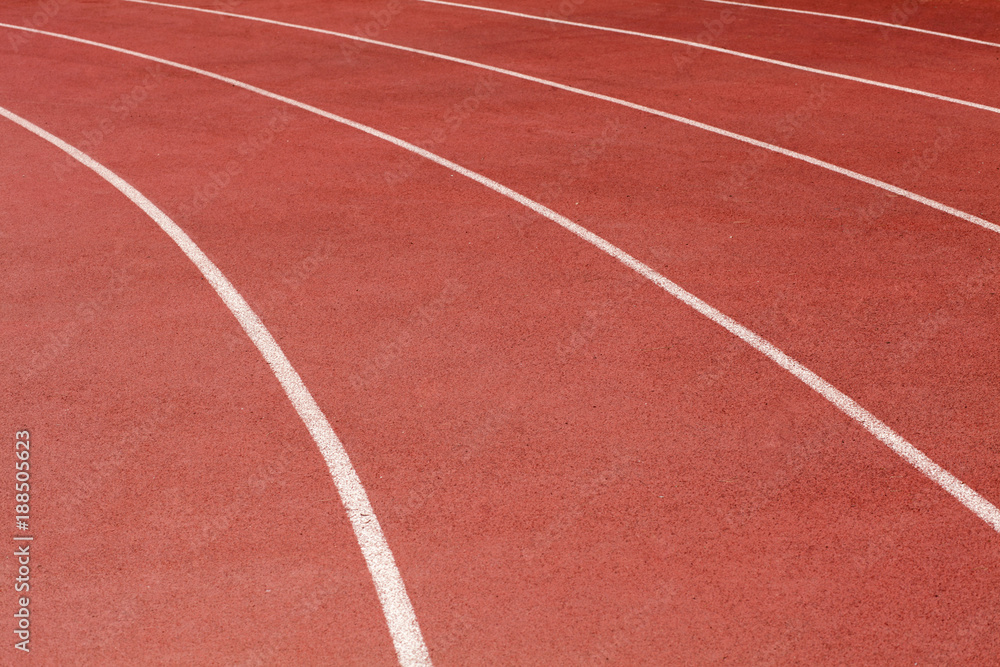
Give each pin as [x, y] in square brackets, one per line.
[568, 464]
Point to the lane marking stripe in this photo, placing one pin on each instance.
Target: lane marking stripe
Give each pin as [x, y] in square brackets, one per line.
[738, 54]
[396, 605]
[944, 208]
[859, 20]
[951, 484]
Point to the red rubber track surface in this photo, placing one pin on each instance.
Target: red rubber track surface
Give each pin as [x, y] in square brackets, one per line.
[570, 466]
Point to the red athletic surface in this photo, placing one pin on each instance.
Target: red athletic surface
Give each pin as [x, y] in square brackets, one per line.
[570, 466]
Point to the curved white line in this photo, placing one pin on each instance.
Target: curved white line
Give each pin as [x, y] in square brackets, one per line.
[954, 486]
[396, 605]
[968, 217]
[859, 20]
[718, 49]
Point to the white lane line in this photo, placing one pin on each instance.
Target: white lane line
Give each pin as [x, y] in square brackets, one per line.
[718, 49]
[954, 486]
[968, 217]
[396, 605]
[859, 20]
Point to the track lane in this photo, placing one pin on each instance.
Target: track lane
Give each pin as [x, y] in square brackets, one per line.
[911, 60]
[971, 18]
[403, 625]
[898, 24]
[913, 329]
[960, 491]
[812, 119]
[162, 459]
[703, 45]
[887, 142]
[890, 189]
[596, 541]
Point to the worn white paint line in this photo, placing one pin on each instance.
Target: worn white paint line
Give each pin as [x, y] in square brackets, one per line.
[968, 217]
[951, 484]
[719, 49]
[396, 605]
[885, 24]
